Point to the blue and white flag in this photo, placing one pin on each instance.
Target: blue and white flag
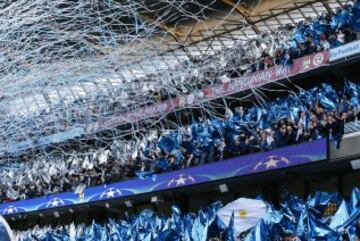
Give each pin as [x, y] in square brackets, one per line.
[247, 213]
[5, 231]
[340, 217]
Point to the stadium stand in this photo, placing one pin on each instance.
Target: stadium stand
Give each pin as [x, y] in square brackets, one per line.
[153, 156]
[295, 218]
[248, 131]
[280, 47]
[310, 115]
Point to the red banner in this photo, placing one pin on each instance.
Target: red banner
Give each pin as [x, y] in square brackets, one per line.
[252, 80]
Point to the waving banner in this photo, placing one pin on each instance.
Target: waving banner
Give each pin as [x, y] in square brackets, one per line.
[246, 213]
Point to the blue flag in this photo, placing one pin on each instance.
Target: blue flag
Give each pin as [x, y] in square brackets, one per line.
[355, 198]
[355, 18]
[318, 230]
[340, 217]
[327, 103]
[230, 231]
[259, 233]
[199, 231]
[5, 231]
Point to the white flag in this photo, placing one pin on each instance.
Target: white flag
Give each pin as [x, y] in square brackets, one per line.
[5, 231]
[247, 213]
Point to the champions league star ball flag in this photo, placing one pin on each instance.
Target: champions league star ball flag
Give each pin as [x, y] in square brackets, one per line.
[247, 213]
[5, 231]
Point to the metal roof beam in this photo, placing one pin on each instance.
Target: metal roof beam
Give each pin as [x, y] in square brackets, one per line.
[240, 10]
[325, 3]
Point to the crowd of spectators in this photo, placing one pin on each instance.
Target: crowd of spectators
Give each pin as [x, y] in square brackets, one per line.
[320, 112]
[279, 47]
[324, 216]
